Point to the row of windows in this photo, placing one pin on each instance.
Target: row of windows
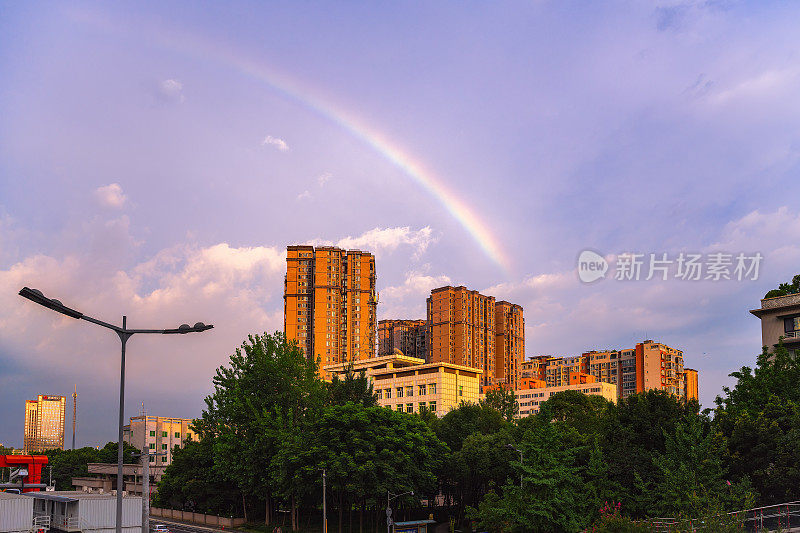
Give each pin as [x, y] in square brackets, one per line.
[422, 390]
[409, 407]
[164, 434]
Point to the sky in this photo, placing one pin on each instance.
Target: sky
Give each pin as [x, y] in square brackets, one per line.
[157, 158]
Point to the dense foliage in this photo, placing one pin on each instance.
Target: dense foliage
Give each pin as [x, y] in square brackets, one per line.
[67, 464]
[785, 289]
[271, 427]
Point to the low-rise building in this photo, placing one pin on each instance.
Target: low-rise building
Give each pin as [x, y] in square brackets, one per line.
[411, 385]
[160, 434]
[530, 400]
[72, 511]
[780, 319]
[102, 478]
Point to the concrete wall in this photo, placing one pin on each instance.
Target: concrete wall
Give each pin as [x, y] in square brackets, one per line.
[195, 518]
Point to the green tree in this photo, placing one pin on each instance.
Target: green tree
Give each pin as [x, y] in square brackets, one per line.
[760, 421]
[191, 482]
[353, 387]
[504, 401]
[785, 288]
[73, 463]
[267, 387]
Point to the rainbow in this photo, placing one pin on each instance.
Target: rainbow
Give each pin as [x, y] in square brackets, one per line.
[291, 89]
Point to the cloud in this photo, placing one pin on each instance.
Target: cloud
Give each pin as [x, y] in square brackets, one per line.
[171, 91]
[280, 144]
[407, 300]
[110, 196]
[305, 195]
[389, 239]
[324, 178]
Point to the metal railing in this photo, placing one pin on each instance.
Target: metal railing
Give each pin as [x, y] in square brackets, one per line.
[779, 517]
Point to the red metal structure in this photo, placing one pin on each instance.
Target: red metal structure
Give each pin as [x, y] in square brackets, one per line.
[34, 465]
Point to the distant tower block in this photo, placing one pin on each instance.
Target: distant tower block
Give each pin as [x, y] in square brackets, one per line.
[74, 414]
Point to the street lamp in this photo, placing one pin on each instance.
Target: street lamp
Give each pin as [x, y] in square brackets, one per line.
[124, 334]
[389, 498]
[521, 471]
[146, 455]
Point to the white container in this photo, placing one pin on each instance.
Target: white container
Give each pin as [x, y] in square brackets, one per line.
[16, 513]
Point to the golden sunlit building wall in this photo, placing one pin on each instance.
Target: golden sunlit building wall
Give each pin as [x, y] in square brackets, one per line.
[690, 384]
[44, 424]
[509, 345]
[330, 303]
[462, 329]
[408, 336]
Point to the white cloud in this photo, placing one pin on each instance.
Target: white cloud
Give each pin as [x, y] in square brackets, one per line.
[324, 178]
[408, 299]
[171, 90]
[110, 196]
[280, 144]
[305, 195]
[389, 239]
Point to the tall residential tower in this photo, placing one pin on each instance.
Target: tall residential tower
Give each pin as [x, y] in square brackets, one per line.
[330, 303]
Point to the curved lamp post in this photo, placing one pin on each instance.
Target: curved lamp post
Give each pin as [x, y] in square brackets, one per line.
[124, 334]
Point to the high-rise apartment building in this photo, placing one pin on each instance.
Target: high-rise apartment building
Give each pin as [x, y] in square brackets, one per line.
[509, 345]
[158, 434]
[330, 303]
[408, 336]
[461, 329]
[44, 424]
[690, 384]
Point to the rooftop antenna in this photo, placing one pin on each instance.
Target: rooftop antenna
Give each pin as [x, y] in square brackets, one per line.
[74, 414]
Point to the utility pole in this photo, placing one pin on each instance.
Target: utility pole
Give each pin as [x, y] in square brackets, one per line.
[324, 505]
[146, 489]
[74, 413]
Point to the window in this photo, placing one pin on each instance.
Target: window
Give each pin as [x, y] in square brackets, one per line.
[152, 433]
[409, 408]
[422, 407]
[431, 388]
[422, 390]
[152, 446]
[400, 407]
[432, 407]
[461, 390]
[163, 459]
[410, 391]
[163, 433]
[152, 458]
[388, 393]
[791, 324]
[163, 446]
[379, 394]
[177, 434]
[399, 392]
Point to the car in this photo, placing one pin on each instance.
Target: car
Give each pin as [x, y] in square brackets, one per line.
[159, 528]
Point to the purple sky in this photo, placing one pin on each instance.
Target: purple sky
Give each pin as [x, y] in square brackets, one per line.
[156, 161]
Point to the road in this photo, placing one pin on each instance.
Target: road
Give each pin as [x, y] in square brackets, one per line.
[181, 527]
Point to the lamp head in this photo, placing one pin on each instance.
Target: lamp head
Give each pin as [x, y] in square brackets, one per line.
[36, 296]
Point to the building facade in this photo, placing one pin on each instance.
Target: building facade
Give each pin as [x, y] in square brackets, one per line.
[411, 385]
[330, 303]
[649, 365]
[529, 400]
[408, 336]
[509, 344]
[44, 424]
[690, 384]
[780, 319]
[159, 434]
[461, 330]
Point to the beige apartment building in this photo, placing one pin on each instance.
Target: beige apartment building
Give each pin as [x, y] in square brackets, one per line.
[780, 318]
[411, 385]
[159, 434]
[408, 336]
[44, 424]
[530, 400]
[330, 303]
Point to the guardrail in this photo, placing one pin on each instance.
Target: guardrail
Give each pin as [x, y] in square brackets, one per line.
[779, 517]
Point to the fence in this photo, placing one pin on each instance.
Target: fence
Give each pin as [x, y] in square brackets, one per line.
[196, 518]
[780, 517]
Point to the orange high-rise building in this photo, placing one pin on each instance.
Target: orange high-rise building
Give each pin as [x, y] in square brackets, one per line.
[408, 336]
[690, 384]
[509, 345]
[330, 303]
